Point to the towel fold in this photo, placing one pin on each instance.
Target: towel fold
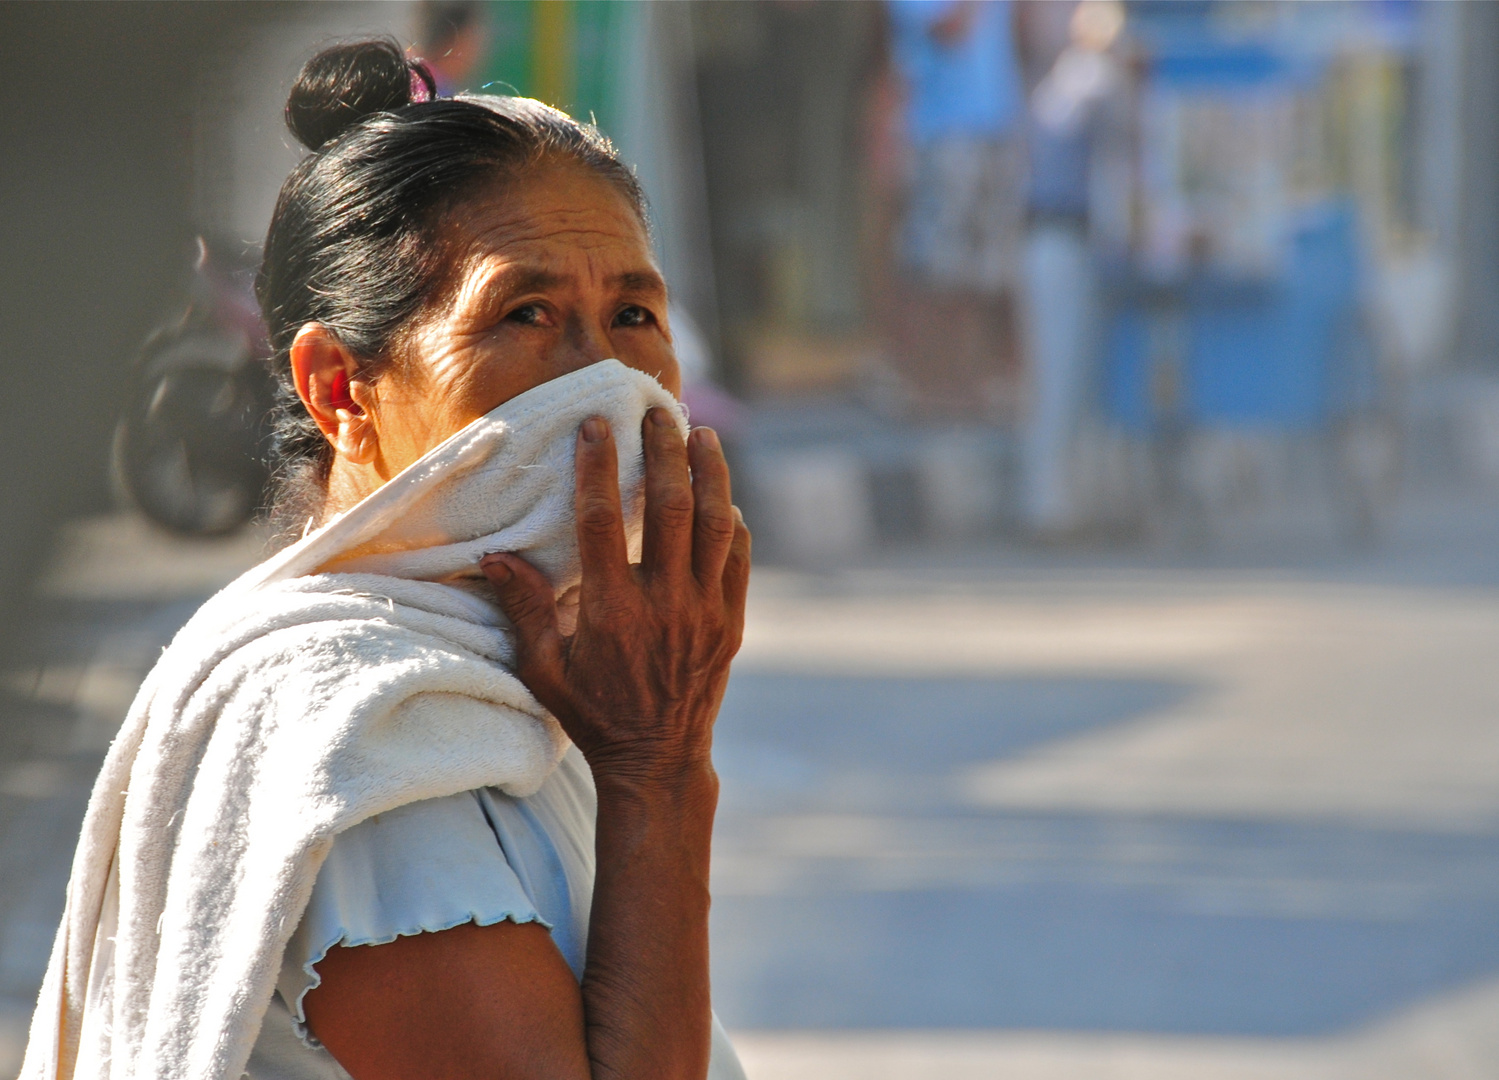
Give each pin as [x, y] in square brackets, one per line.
[359, 670]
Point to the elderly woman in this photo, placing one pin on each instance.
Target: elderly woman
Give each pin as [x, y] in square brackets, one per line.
[372, 814]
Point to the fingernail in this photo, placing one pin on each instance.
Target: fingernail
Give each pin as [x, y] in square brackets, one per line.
[707, 437]
[595, 430]
[738, 515]
[662, 418]
[495, 565]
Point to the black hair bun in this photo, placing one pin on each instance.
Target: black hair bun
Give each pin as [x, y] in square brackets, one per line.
[343, 84]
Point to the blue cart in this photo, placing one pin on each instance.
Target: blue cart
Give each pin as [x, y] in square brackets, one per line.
[1284, 347]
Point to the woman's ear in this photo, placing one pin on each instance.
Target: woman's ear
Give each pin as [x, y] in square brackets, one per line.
[325, 373]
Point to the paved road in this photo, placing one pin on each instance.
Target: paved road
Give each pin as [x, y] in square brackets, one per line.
[1039, 817]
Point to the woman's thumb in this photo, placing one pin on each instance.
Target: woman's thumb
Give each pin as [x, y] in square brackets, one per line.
[525, 596]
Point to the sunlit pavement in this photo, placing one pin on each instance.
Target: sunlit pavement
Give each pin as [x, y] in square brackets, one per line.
[1033, 816]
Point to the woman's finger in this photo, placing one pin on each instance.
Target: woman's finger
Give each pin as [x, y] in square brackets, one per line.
[601, 528]
[736, 575]
[527, 600]
[668, 500]
[713, 508]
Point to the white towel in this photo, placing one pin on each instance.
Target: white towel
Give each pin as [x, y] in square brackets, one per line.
[341, 678]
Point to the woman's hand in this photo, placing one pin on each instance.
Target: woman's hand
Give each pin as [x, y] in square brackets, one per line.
[638, 683]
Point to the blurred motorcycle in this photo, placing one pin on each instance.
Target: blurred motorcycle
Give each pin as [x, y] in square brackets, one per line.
[190, 448]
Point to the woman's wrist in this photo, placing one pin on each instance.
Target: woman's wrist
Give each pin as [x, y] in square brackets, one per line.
[649, 778]
[674, 795]
[675, 762]
[661, 821]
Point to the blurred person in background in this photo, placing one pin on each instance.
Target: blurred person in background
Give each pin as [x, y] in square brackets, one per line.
[429, 793]
[963, 222]
[1069, 110]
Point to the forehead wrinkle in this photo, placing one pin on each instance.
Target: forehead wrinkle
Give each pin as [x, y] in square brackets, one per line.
[522, 224]
[505, 228]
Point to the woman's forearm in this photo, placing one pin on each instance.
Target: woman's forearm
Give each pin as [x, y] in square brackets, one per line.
[637, 686]
[645, 988]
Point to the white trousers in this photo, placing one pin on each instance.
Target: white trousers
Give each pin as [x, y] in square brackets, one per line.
[1059, 315]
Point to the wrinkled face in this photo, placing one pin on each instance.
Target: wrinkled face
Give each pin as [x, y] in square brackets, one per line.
[551, 274]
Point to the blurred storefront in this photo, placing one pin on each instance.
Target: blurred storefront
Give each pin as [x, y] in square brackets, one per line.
[1288, 220]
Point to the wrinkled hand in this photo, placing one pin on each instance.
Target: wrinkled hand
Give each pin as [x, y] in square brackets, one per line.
[638, 683]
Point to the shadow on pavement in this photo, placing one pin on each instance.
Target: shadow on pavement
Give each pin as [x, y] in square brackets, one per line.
[855, 889]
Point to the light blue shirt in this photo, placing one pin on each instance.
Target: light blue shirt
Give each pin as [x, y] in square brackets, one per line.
[969, 89]
[478, 856]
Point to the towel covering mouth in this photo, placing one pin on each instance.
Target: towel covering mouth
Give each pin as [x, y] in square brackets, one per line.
[503, 483]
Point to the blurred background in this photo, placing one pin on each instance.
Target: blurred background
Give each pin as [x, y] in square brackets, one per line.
[1113, 389]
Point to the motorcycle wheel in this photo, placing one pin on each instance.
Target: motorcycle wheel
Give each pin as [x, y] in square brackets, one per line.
[190, 448]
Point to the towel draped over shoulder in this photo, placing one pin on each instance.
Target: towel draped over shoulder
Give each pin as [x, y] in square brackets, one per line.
[359, 670]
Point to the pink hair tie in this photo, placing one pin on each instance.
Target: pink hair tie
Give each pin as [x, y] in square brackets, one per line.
[423, 85]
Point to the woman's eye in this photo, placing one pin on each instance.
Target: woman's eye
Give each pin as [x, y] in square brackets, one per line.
[634, 315]
[528, 315]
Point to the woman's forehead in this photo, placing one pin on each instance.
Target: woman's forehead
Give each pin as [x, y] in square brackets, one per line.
[548, 214]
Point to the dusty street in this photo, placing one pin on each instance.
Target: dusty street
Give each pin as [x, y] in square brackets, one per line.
[1040, 817]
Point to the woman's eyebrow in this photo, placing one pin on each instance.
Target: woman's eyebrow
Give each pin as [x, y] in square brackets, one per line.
[639, 281]
[517, 279]
[482, 292]
[512, 280]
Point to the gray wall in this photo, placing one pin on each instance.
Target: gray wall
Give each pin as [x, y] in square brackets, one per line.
[95, 225]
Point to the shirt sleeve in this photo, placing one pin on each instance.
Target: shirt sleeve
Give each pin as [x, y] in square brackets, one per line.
[426, 866]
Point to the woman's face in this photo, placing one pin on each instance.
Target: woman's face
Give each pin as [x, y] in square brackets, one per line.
[552, 274]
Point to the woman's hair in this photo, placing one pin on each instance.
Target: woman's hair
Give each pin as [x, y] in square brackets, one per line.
[357, 241]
